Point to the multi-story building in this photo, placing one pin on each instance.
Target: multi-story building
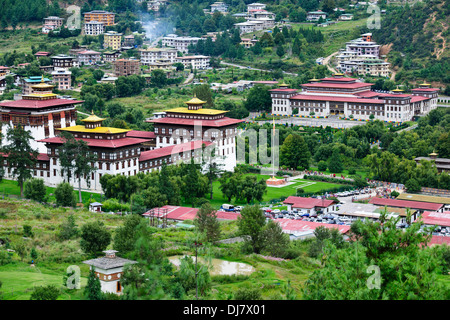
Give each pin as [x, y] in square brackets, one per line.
[155, 5]
[112, 40]
[27, 83]
[152, 55]
[110, 56]
[62, 78]
[107, 18]
[363, 46]
[94, 28]
[88, 57]
[52, 23]
[221, 7]
[194, 62]
[128, 41]
[316, 15]
[252, 7]
[362, 56]
[363, 67]
[195, 123]
[253, 25]
[179, 43]
[40, 112]
[62, 61]
[349, 98]
[4, 71]
[126, 67]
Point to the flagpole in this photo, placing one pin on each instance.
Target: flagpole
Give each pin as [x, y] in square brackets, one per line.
[273, 155]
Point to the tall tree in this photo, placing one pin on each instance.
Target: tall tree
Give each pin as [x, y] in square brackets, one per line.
[21, 156]
[77, 160]
[94, 237]
[251, 224]
[93, 289]
[207, 223]
[294, 152]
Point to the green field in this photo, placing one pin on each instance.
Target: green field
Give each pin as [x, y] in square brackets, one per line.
[19, 279]
[273, 192]
[10, 188]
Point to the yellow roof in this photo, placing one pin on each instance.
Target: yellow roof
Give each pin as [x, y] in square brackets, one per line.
[199, 111]
[425, 84]
[94, 130]
[92, 118]
[314, 80]
[283, 85]
[195, 100]
[397, 90]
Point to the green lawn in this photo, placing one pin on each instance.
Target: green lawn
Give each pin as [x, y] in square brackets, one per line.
[10, 188]
[19, 279]
[272, 192]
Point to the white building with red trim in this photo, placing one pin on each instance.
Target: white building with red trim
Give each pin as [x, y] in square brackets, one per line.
[352, 99]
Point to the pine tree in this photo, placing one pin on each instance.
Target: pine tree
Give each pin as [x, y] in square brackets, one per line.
[21, 156]
[93, 289]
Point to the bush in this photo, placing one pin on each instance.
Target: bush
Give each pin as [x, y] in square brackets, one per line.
[35, 190]
[45, 293]
[351, 171]
[248, 294]
[322, 166]
[27, 231]
[64, 195]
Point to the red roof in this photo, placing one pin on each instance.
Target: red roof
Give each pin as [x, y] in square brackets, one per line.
[436, 240]
[42, 53]
[43, 157]
[418, 98]
[175, 149]
[307, 203]
[425, 89]
[266, 82]
[369, 94]
[141, 134]
[88, 52]
[437, 218]
[185, 213]
[406, 204]
[103, 143]
[290, 225]
[173, 212]
[285, 90]
[225, 121]
[37, 104]
[339, 79]
[338, 85]
[333, 98]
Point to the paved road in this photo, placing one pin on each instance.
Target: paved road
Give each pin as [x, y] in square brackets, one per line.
[309, 122]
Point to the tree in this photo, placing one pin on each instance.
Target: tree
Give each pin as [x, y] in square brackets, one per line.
[193, 183]
[412, 185]
[322, 165]
[207, 223]
[179, 66]
[50, 292]
[275, 240]
[158, 78]
[251, 224]
[280, 50]
[94, 238]
[381, 262]
[35, 190]
[258, 99]
[125, 236]
[98, 74]
[68, 229]
[64, 195]
[190, 280]
[77, 160]
[203, 92]
[21, 156]
[294, 152]
[251, 189]
[335, 162]
[93, 289]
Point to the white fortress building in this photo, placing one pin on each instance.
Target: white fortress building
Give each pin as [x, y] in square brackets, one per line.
[39, 112]
[349, 98]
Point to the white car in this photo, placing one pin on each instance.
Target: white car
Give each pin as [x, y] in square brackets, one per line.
[276, 211]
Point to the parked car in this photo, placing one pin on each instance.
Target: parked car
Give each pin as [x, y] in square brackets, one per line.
[228, 207]
[276, 211]
[238, 208]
